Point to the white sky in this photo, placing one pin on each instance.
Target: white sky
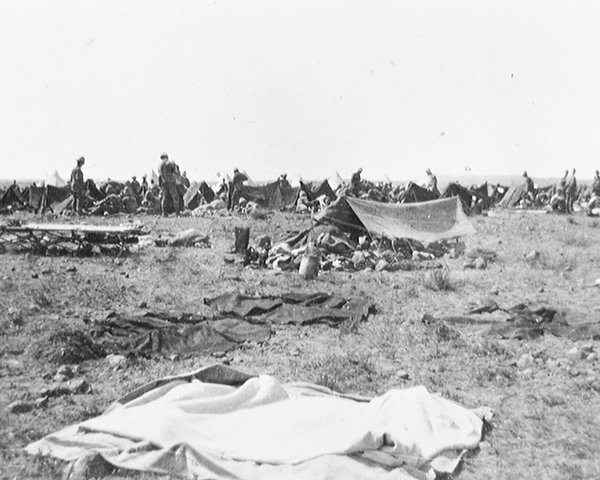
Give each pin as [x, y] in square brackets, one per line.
[297, 86]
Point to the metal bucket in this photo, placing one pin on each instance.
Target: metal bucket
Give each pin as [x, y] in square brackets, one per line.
[309, 266]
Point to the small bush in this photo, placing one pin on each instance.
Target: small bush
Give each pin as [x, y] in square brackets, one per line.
[439, 280]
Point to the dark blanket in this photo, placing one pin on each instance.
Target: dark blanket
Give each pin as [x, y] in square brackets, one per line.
[184, 335]
[522, 322]
[297, 308]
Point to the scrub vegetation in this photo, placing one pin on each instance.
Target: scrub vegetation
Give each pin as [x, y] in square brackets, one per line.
[545, 393]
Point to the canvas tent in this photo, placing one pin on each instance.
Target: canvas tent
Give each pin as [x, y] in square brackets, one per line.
[55, 180]
[424, 221]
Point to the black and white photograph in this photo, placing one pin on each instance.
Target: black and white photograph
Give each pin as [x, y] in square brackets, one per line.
[299, 240]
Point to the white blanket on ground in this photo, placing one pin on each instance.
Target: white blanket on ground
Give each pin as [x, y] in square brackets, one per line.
[267, 430]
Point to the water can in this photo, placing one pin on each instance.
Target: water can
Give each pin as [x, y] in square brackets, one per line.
[309, 266]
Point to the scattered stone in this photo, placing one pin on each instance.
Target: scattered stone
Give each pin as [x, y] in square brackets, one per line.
[116, 361]
[573, 372]
[54, 390]
[40, 402]
[533, 255]
[80, 385]
[480, 263]
[525, 360]
[573, 353]
[527, 373]
[227, 258]
[595, 385]
[35, 275]
[403, 375]
[65, 370]
[20, 406]
[494, 291]
[60, 378]
[469, 264]
[143, 305]
[219, 354]
[552, 364]
[592, 357]
[90, 465]
[72, 269]
[541, 290]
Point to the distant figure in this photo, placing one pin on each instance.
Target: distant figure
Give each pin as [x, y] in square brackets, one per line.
[185, 181]
[571, 192]
[283, 181]
[167, 172]
[529, 189]
[557, 202]
[432, 183]
[355, 182]
[595, 199]
[235, 188]
[135, 185]
[78, 186]
[563, 181]
[144, 185]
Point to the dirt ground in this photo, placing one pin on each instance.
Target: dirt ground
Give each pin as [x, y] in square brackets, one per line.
[545, 392]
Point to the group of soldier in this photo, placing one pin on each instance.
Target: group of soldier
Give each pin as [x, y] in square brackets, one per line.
[167, 195]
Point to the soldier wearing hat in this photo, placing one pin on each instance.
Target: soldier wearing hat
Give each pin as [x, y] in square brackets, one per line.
[167, 174]
[235, 187]
[432, 183]
[78, 186]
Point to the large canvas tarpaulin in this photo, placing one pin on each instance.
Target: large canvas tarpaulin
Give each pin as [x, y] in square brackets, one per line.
[271, 195]
[424, 221]
[298, 308]
[218, 423]
[194, 195]
[521, 322]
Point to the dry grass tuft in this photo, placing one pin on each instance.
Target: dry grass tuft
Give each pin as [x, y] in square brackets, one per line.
[439, 280]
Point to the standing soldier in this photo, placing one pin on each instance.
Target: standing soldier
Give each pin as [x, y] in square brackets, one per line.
[78, 186]
[432, 183]
[166, 179]
[234, 189]
[529, 189]
[356, 182]
[571, 192]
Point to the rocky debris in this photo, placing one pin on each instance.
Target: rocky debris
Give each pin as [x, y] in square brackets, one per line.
[403, 375]
[20, 406]
[90, 465]
[495, 290]
[533, 255]
[116, 361]
[480, 263]
[526, 360]
[66, 347]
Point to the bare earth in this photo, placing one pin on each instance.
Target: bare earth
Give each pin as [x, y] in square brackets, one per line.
[547, 405]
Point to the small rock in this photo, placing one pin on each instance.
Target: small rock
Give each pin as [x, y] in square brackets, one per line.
[595, 385]
[35, 275]
[552, 364]
[480, 263]
[494, 291]
[90, 465]
[525, 360]
[469, 265]
[65, 370]
[79, 385]
[60, 378]
[527, 373]
[402, 374]
[573, 353]
[219, 354]
[228, 258]
[592, 357]
[541, 290]
[143, 305]
[533, 255]
[573, 372]
[72, 268]
[20, 406]
[116, 361]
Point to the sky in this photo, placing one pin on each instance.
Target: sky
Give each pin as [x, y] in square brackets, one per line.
[309, 88]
